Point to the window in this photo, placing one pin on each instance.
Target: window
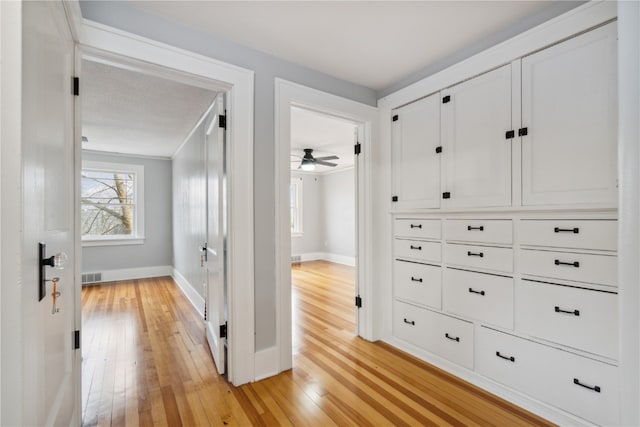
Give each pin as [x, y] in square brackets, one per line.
[112, 204]
[295, 195]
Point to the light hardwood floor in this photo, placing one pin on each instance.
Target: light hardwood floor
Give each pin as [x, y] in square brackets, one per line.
[146, 362]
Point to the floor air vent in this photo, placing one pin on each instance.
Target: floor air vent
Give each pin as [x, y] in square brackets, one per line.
[295, 259]
[91, 278]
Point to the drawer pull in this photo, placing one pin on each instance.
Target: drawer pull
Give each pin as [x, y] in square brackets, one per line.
[510, 358]
[473, 291]
[456, 339]
[566, 230]
[416, 225]
[409, 322]
[479, 254]
[413, 279]
[594, 388]
[469, 228]
[575, 264]
[418, 248]
[574, 312]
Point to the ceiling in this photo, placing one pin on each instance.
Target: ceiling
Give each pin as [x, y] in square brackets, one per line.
[132, 113]
[371, 43]
[326, 135]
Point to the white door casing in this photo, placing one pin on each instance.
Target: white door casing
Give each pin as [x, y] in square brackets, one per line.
[216, 214]
[48, 357]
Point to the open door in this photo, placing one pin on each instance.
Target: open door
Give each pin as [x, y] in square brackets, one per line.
[215, 259]
[49, 369]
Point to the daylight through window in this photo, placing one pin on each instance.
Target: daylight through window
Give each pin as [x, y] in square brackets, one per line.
[295, 195]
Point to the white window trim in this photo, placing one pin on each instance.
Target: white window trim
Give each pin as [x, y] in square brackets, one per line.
[300, 231]
[138, 238]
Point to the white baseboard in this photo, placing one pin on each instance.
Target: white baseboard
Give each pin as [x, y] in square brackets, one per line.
[266, 363]
[135, 273]
[340, 259]
[192, 295]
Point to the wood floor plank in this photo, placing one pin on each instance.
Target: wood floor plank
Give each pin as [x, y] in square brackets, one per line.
[146, 362]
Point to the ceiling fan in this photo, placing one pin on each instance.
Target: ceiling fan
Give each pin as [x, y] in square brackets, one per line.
[309, 162]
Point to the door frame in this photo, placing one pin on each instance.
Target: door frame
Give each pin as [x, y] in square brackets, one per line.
[119, 47]
[287, 95]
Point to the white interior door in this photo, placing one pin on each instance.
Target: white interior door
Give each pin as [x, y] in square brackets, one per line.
[49, 371]
[216, 226]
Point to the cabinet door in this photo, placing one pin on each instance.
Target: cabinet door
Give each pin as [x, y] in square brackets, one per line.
[416, 164]
[569, 109]
[477, 154]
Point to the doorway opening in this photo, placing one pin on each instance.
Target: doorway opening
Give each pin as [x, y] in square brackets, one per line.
[323, 219]
[152, 230]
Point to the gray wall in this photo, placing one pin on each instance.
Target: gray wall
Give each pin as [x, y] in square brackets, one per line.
[126, 17]
[312, 239]
[156, 250]
[189, 209]
[339, 197]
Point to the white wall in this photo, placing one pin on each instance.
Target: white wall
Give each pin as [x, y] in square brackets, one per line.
[189, 208]
[156, 250]
[328, 217]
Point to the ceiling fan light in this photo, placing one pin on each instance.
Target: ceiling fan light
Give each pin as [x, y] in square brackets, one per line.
[307, 166]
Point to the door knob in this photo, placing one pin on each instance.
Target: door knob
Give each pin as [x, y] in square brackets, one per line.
[57, 261]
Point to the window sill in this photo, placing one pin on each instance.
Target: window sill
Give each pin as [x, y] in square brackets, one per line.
[296, 234]
[113, 242]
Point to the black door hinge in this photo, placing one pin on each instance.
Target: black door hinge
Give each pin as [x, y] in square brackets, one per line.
[446, 195]
[76, 86]
[222, 121]
[358, 302]
[394, 198]
[223, 330]
[357, 149]
[523, 131]
[76, 339]
[394, 118]
[439, 149]
[446, 99]
[510, 134]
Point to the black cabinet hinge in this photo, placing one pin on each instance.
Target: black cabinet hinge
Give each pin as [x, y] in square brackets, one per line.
[223, 330]
[358, 302]
[357, 149]
[510, 134]
[222, 121]
[394, 198]
[446, 99]
[76, 339]
[394, 118]
[446, 195]
[439, 149]
[523, 131]
[76, 86]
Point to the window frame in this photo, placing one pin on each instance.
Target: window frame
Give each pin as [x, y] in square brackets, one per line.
[297, 183]
[138, 236]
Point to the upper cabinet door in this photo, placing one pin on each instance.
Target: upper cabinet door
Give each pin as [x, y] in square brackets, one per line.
[477, 156]
[416, 160]
[569, 109]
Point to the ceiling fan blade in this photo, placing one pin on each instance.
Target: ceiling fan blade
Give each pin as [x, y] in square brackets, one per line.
[328, 158]
[320, 162]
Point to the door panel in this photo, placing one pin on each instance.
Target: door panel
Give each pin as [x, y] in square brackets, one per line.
[48, 188]
[216, 221]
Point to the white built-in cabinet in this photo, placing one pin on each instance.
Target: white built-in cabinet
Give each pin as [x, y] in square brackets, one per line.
[505, 226]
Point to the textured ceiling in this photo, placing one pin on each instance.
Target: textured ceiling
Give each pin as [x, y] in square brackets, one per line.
[326, 135]
[133, 113]
[371, 43]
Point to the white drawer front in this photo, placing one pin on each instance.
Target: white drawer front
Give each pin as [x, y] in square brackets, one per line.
[579, 234]
[550, 375]
[579, 318]
[452, 339]
[410, 323]
[497, 259]
[418, 228]
[600, 269]
[417, 250]
[418, 283]
[481, 231]
[479, 296]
